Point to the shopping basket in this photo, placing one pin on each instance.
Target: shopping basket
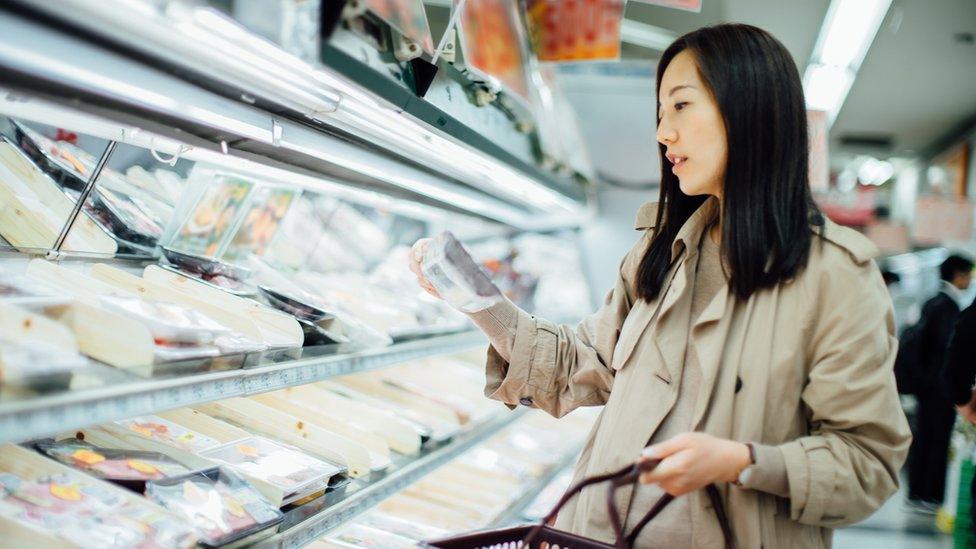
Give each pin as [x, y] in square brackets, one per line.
[536, 536]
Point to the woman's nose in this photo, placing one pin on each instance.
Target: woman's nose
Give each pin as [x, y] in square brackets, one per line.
[665, 133]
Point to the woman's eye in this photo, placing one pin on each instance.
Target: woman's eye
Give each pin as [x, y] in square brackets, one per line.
[679, 106]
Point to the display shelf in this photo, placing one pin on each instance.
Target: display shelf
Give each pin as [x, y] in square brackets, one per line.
[105, 394]
[261, 122]
[360, 497]
[513, 515]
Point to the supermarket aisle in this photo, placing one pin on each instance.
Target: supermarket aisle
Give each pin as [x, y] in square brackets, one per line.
[894, 526]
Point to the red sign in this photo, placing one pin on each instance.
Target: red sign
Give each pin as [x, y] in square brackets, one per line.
[938, 220]
[492, 42]
[687, 5]
[575, 30]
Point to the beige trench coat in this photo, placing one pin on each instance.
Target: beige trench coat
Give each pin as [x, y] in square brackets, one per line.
[813, 358]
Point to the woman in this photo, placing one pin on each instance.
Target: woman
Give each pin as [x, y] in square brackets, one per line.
[747, 341]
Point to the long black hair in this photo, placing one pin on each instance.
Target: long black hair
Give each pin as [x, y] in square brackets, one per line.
[767, 206]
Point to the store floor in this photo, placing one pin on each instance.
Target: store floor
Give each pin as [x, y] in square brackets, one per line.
[894, 526]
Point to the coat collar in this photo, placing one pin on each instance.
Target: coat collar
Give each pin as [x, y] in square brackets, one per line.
[690, 235]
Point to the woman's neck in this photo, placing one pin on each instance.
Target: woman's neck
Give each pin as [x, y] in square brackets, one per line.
[715, 230]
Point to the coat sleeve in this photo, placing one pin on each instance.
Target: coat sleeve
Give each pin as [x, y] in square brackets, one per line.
[858, 435]
[558, 368]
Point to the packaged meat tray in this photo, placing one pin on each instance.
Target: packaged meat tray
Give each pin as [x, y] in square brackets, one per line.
[20, 290]
[170, 324]
[297, 474]
[126, 217]
[401, 527]
[200, 265]
[38, 364]
[89, 513]
[222, 507]
[167, 432]
[68, 165]
[358, 535]
[128, 468]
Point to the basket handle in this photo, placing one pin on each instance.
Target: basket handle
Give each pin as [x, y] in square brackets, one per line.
[624, 477]
[627, 475]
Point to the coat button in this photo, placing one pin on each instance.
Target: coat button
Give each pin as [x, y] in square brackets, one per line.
[738, 384]
[525, 401]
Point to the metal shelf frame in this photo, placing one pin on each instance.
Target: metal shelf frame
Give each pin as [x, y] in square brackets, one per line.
[47, 415]
[368, 496]
[279, 120]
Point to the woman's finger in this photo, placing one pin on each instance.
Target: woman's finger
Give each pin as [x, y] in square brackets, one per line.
[669, 468]
[664, 449]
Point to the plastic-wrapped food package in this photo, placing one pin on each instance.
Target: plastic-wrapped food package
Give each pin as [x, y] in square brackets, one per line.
[88, 513]
[404, 528]
[169, 323]
[456, 277]
[393, 274]
[220, 505]
[129, 468]
[560, 295]
[350, 225]
[358, 535]
[167, 432]
[20, 290]
[297, 474]
[26, 360]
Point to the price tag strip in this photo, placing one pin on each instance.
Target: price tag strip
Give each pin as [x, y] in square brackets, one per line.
[47, 415]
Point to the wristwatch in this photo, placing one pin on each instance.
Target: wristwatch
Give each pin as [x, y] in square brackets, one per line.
[752, 461]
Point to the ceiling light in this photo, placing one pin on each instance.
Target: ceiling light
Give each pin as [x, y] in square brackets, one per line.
[826, 87]
[875, 172]
[845, 37]
[848, 31]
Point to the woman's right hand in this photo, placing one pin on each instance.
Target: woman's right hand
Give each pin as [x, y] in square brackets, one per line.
[416, 258]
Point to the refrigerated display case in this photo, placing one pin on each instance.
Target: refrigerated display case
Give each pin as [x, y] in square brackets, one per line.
[203, 268]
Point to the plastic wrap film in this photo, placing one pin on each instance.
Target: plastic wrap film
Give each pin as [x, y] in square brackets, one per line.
[456, 277]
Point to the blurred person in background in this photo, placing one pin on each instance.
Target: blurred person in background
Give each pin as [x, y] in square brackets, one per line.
[959, 375]
[924, 349]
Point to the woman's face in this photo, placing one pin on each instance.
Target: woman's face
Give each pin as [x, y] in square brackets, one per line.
[690, 125]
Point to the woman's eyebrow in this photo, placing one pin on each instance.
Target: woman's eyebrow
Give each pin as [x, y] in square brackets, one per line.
[680, 87]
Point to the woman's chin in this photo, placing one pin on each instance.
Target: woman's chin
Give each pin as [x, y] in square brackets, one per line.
[690, 189]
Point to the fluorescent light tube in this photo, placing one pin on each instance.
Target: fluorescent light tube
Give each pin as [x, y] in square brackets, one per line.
[848, 30]
[826, 88]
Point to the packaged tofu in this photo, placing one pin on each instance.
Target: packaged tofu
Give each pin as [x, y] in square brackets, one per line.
[456, 277]
[297, 474]
[221, 506]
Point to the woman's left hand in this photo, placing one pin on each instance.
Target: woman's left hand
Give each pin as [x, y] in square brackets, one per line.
[694, 460]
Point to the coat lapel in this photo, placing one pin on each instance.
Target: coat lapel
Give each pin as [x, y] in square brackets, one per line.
[708, 338]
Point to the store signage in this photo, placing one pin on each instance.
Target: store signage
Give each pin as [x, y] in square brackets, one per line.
[493, 44]
[687, 5]
[939, 220]
[819, 167]
[575, 30]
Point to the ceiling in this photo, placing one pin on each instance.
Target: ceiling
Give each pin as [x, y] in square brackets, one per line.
[917, 85]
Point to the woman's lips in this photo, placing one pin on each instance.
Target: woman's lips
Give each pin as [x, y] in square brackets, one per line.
[678, 163]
